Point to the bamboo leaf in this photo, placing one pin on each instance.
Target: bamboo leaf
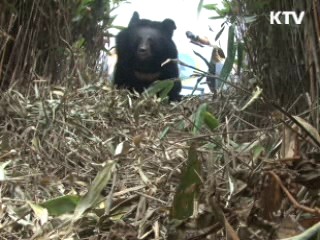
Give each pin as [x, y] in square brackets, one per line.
[189, 188]
[200, 5]
[231, 40]
[219, 33]
[228, 64]
[211, 122]
[61, 205]
[216, 17]
[309, 128]
[255, 95]
[164, 133]
[93, 194]
[162, 87]
[198, 119]
[210, 7]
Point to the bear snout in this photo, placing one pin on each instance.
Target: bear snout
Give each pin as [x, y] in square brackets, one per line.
[144, 51]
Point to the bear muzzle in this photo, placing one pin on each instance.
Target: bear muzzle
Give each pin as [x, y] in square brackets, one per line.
[144, 51]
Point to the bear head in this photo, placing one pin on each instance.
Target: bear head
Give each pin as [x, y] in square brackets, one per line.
[142, 47]
[150, 43]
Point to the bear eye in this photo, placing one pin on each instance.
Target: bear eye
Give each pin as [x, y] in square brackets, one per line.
[136, 41]
[150, 40]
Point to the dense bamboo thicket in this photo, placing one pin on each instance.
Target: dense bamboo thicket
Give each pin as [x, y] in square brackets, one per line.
[50, 40]
[285, 58]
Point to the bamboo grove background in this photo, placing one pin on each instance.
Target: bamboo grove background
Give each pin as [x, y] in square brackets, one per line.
[52, 40]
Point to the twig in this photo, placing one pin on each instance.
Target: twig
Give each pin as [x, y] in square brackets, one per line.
[291, 198]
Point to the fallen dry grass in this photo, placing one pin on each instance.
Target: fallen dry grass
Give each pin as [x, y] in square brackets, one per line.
[121, 161]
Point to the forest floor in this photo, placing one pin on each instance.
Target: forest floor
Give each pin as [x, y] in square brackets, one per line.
[99, 163]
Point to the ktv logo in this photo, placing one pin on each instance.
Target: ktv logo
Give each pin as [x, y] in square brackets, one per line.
[288, 16]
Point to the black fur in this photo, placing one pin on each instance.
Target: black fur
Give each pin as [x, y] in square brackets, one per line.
[141, 49]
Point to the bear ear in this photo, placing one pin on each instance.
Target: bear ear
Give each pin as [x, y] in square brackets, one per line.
[169, 26]
[134, 19]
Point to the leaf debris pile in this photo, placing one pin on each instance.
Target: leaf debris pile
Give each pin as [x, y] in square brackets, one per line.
[99, 163]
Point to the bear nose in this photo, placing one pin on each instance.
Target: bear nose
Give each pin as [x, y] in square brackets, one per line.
[144, 45]
[142, 49]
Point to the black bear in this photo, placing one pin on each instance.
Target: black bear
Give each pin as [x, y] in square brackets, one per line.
[141, 49]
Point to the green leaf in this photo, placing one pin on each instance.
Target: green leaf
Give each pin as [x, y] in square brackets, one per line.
[222, 12]
[219, 33]
[228, 64]
[162, 87]
[257, 151]
[93, 194]
[198, 120]
[216, 17]
[231, 49]
[164, 133]
[188, 189]
[203, 116]
[200, 5]
[210, 7]
[61, 205]
[211, 122]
